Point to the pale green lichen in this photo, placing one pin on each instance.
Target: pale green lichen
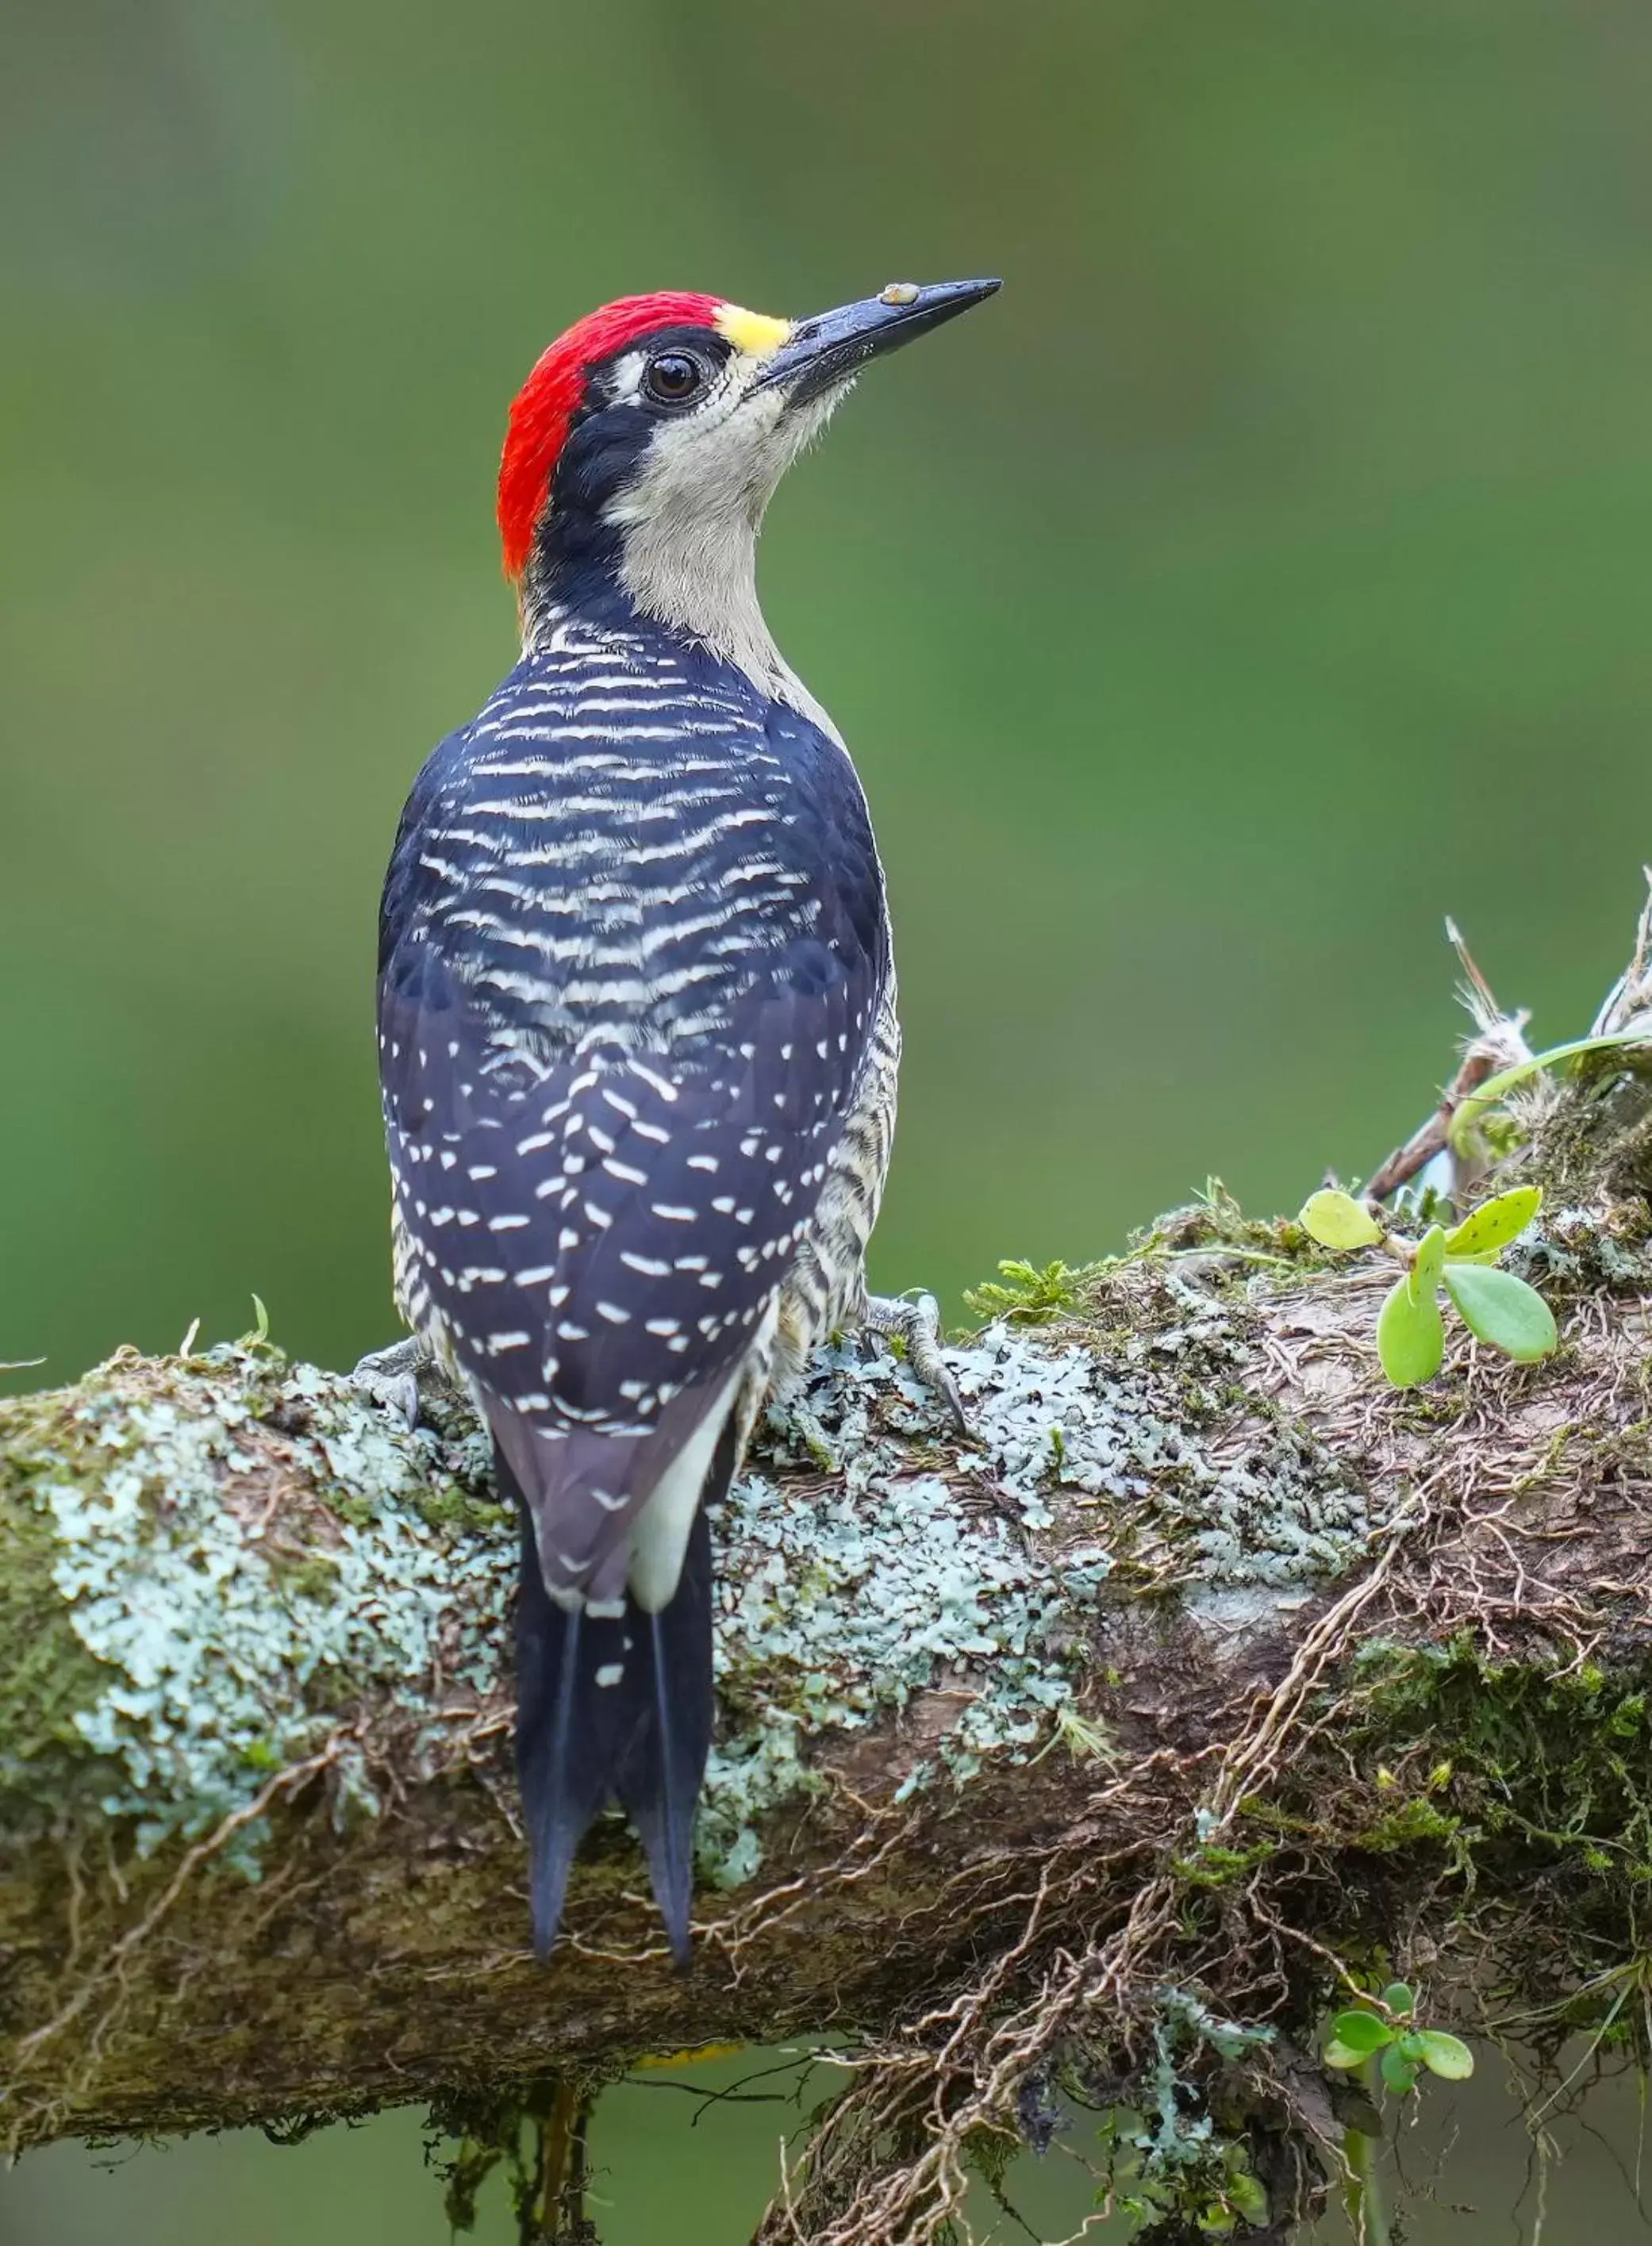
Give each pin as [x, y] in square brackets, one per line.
[223, 1657]
[1270, 1509]
[212, 1648]
[1164, 2155]
[899, 1579]
[1573, 1245]
[1246, 1500]
[844, 1609]
[905, 1578]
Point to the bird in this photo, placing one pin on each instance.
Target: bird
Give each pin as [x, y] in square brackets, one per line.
[637, 1036]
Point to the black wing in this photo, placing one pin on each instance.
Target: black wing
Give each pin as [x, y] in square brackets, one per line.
[604, 1154]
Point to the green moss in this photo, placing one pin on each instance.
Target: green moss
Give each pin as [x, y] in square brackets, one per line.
[1214, 1866]
[455, 1507]
[1029, 1296]
[1593, 1152]
[315, 1578]
[47, 1676]
[1554, 1762]
[1215, 1225]
[1407, 1822]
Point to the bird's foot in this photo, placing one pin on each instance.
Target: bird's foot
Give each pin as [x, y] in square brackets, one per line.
[391, 1375]
[916, 1323]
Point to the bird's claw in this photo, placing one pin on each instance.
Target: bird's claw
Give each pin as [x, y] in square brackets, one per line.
[916, 1323]
[390, 1378]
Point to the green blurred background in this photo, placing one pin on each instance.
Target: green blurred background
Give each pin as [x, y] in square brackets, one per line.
[1261, 577]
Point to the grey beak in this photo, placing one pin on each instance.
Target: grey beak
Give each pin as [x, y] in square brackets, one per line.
[830, 347]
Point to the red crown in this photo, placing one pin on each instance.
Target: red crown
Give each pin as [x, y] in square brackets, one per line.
[547, 402]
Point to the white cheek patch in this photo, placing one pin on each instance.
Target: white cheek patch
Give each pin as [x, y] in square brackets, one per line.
[714, 468]
[689, 517]
[628, 377]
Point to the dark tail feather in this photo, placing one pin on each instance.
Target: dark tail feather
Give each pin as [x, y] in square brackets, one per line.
[562, 1761]
[659, 1782]
[615, 1706]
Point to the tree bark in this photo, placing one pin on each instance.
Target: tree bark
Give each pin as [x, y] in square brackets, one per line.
[1208, 1662]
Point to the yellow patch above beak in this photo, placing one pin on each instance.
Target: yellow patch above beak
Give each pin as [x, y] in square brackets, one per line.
[754, 333]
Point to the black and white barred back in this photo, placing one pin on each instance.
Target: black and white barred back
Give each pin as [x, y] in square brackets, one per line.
[638, 1050]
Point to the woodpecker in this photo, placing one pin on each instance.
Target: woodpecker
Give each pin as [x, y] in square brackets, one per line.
[638, 1036]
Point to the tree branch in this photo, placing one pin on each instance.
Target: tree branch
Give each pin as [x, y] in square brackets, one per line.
[1175, 1678]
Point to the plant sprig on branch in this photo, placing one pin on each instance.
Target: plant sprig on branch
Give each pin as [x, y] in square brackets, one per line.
[1496, 1307]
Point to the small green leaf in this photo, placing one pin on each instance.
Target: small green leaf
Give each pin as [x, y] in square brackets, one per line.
[1397, 2073]
[1246, 2197]
[1399, 1999]
[1336, 1220]
[1425, 1269]
[1498, 1308]
[261, 1331]
[1446, 2055]
[1410, 1335]
[1496, 1222]
[1361, 2032]
[1469, 1116]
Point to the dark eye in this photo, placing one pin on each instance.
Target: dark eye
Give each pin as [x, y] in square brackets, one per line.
[672, 378]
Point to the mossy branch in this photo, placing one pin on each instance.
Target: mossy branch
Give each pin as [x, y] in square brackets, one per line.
[1210, 1665]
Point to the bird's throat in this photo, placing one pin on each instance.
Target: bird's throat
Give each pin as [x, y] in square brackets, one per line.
[697, 579]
